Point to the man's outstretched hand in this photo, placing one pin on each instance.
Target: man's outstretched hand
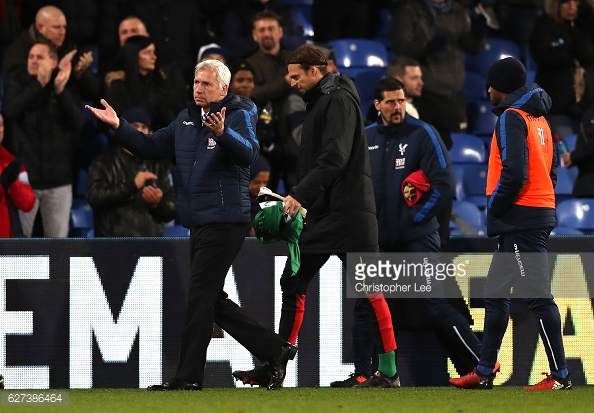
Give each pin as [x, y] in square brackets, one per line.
[107, 115]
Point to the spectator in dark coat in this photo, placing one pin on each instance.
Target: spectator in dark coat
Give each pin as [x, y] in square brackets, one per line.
[562, 49]
[239, 20]
[178, 29]
[437, 34]
[45, 122]
[138, 81]
[130, 196]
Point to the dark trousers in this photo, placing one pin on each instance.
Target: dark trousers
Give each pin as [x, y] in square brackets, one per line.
[294, 288]
[521, 262]
[213, 248]
[449, 325]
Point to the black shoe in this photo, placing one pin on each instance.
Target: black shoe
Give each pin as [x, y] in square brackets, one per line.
[379, 379]
[353, 380]
[1, 382]
[175, 384]
[278, 367]
[259, 376]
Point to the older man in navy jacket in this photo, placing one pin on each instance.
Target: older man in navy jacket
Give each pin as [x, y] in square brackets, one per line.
[214, 143]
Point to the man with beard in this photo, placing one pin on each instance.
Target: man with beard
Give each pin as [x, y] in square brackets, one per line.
[272, 87]
[404, 149]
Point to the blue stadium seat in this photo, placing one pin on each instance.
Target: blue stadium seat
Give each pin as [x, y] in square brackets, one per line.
[304, 18]
[81, 221]
[365, 79]
[576, 214]
[467, 149]
[565, 231]
[359, 53]
[475, 86]
[530, 76]
[176, 231]
[570, 141]
[471, 183]
[495, 49]
[470, 213]
[565, 180]
[81, 186]
[481, 121]
[296, 2]
[383, 29]
[302, 10]
[527, 59]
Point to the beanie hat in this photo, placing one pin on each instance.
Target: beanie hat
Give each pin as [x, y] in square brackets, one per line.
[212, 48]
[259, 165]
[137, 114]
[506, 75]
[238, 65]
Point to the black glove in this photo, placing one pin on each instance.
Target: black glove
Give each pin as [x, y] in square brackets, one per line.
[437, 43]
[10, 173]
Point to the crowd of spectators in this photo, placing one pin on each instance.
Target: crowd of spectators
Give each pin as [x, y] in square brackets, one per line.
[57, 56]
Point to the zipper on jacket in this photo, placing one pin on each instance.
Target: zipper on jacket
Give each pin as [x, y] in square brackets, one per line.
[221, 190]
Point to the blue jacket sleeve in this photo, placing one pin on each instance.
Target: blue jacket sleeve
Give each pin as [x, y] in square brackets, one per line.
[239, 137]
[511, 132]
[437, 166]
[158, 145]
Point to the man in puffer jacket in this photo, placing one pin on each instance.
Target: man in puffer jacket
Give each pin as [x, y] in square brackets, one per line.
[214, 143]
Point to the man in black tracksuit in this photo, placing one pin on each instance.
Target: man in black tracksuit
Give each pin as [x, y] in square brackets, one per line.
[335, 187]
[400, 145]
[214, 143]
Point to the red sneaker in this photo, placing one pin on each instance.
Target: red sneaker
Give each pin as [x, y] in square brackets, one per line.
[551, 382]
[474, 380]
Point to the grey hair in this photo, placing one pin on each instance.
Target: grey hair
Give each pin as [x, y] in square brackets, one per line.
[223, 72]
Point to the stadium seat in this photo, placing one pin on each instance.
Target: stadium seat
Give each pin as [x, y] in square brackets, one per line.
[467, 149]
[576, 214]
[176, 231]
[475, 86]
[304, 18]
[530, 76]
[481, 121]
[470, 213]
[365, 79]
[527, 59]
[81, 184]
[384, 27]
[565, 180]
[471, 183]
[570, 141]
[495, 49]
[81, 222]
[301, 3]
[565, 231]
[359, 53]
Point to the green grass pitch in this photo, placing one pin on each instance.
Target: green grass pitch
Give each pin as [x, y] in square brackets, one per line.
[324, 400]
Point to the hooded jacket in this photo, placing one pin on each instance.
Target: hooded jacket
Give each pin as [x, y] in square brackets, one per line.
[212, 173]
[333, 171]
[510, 143]
[395, 152]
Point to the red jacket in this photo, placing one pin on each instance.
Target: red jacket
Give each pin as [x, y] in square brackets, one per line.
[20, 194]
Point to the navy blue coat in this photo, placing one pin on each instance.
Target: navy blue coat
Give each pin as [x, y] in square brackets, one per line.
[396, 151]
[213, 172]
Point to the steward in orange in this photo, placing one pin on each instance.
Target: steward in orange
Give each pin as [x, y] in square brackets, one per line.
[521, 213]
